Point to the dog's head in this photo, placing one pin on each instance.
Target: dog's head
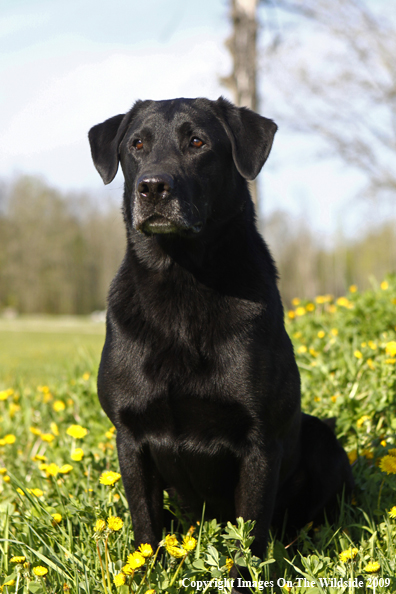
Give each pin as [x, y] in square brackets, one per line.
[184, 161]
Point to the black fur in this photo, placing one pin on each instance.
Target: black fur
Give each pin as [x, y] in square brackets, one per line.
[198, 373]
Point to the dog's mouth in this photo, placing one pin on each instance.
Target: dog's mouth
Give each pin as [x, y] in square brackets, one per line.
[157, 224]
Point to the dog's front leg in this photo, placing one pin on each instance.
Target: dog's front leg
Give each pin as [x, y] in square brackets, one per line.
[143, 488]
[255, 497]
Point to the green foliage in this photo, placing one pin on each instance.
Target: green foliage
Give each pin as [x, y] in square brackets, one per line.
[346, 351]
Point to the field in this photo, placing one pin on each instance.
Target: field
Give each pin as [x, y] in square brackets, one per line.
[64, 524]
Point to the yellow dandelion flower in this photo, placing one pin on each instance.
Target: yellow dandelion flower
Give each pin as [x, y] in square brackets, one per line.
[136, 560]
[353, 289]
[372, 345]
[332, 308]
[77, 431]
[334, 398]
[3, 470]
[44, 389]
[40, 571]
[6, 478]
[171, 545]
[348, 555]
[100, 525]
[321, 334]
[170, 540]
[54, 428]
[313, 352]
[392, 512]
[358, 354]
[18, 559]
[362, 420]
[310, 307]
[77, 455]
[51, 469]
[300, 311]
[370, 363]
[57, 518]
[320, 299]
[48, 437]
[343, 302]
[86, 376]
[189, 543]
[128, 570]
[109, 477]
[384, 285]
[388, 464]
[229, 563]
[352, 456]
[372, 567]
[115, 523]
[66, 468]
[4, 394]
[334, 331]
[59, 405]
[151, 591]
[146, 550]
[35, 431]
[39, 458]
[383, 443]
[13, 408]
[36, 492]
[302, 349]
[9, 439]
[296, 301]
[291, 314]
[9, 583]
[390, 348]
[119, 579]
[19, 490]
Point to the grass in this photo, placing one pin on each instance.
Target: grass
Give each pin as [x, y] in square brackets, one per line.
[47, 347]
[346, 351]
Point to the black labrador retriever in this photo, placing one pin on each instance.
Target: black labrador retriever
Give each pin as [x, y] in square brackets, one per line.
[198, 373]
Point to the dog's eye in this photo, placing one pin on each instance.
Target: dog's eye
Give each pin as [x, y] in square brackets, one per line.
[196, 142]
[138, 144]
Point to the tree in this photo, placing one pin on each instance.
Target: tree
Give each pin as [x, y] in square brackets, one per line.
[334, 69]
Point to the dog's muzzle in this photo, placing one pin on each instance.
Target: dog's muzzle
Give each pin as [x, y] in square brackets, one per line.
[159, 211]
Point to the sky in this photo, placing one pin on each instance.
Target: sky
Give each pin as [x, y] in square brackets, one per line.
[66, 66]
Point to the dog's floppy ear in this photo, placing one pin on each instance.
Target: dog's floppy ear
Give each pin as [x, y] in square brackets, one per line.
[105, 140]
[251, 137]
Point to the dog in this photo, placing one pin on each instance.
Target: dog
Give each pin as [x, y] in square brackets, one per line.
[198, 374]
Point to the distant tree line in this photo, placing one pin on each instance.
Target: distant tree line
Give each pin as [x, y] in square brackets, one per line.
[59, 251]
[308, 268]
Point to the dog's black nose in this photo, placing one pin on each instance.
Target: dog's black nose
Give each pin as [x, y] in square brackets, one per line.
[155, 186]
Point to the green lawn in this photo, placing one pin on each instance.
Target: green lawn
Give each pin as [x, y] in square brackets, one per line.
[34, 349]
[63, 528]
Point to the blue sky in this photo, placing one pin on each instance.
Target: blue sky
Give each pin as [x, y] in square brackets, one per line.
[66, 66]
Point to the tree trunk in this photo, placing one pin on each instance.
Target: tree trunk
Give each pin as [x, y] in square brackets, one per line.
[242, 45]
